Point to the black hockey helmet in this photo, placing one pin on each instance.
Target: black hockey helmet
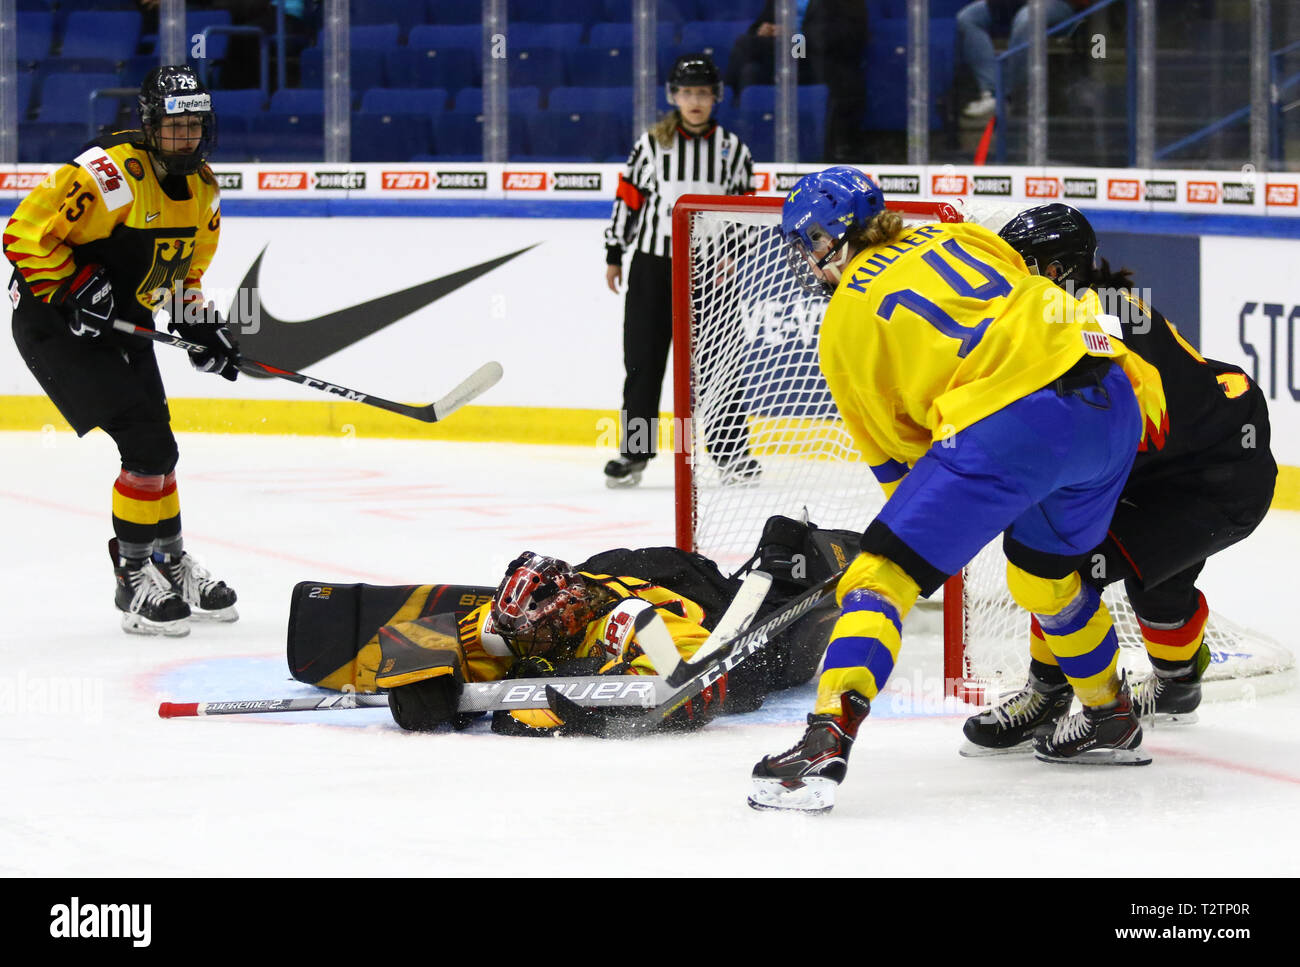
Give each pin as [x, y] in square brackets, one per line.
[694, 70]
[1053, 234]
[174, 91]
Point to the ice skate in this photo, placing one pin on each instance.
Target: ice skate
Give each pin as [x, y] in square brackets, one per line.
[1009, 726]
[208, 598]
[149, 604]
[804, 778]
[1097, 736]
[624, 472]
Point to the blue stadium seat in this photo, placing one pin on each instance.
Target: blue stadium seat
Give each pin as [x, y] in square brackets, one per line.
[758, 130]
[811, 99]
[374, 36]
[454, 12]
[26, 87]
[93, 33]
[618, 100]
[196, 21]
[390, 137]
[548, 11]
[242, 103]
[449, 68]
[65, 98]
[616, 11]
[35, 35]
[536, 67]
[441, 36]
[577, 136]
[519, 100]
[366, 68]
[608, 34]
[233, 147]
[405, 13]
[603, 67]
[712, 37]
[288, 137]
[561, 36]
[460, 136]
[298, 100]
[137, 68]
[77, 65]
[404, 100]
[886, 79]
[41, 142]
[942, 8]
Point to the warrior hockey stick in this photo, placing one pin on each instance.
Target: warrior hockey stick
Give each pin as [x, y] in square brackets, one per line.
[638, 691]
[481, 380]
[590, 721]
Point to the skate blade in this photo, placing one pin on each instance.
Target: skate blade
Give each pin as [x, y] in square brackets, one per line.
[621, 483]
[1171, 718]
[813, 796]
[220, 614]
[970, 750]
[1100, 757]
[133, 624]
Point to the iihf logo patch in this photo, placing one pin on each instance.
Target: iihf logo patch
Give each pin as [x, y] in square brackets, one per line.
[726, 150]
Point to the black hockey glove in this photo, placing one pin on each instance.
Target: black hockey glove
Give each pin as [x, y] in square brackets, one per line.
[424, 705]
[86, 301]
[222, 353]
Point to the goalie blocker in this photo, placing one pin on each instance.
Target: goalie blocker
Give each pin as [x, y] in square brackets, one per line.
[371, 638]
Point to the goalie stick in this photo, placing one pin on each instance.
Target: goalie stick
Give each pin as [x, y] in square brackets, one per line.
[638, 691]
[478, 382]
[656, 640]
[601, 724]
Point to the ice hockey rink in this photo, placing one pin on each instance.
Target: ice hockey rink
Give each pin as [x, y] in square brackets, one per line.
[100, 786]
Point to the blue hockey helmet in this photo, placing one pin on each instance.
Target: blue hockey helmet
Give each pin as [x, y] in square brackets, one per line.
[818, 215]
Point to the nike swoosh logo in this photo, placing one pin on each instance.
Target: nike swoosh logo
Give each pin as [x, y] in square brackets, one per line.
[297, 344]
[151, 216]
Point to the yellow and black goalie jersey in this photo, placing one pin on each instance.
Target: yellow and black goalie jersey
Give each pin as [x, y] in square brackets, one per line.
[930, 333]
[107, 206]
[611, 636]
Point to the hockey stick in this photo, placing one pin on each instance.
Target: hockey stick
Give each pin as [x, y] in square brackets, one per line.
[638, 691]
[656, 640]
[589, 721]
[481, 380]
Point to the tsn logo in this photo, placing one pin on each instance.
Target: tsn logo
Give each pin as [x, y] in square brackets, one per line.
[405, 180]
[1042, 188]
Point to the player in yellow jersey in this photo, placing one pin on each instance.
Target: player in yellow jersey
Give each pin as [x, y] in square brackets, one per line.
[125, 229]
[987, 401]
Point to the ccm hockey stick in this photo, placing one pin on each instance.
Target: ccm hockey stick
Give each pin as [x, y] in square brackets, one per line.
[637, 691]
[627, 724]
[481, 380]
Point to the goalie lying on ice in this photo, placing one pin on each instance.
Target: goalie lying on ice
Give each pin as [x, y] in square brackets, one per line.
[546, 618]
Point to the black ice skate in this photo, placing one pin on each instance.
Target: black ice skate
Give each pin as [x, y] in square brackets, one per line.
[1097, 736]
[1172, 698]
[805, 777]
[624, 472]
[149, 605]
[1009, 726]
[209, 599]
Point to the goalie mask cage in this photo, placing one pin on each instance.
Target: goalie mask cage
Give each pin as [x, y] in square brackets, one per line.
[747, 387]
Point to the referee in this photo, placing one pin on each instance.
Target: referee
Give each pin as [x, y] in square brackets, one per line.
[684, 152]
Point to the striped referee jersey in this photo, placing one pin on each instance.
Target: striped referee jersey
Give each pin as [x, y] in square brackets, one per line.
[714, 162]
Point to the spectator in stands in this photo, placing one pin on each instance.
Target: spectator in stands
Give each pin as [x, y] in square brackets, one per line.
[979, 22]
[835, 37]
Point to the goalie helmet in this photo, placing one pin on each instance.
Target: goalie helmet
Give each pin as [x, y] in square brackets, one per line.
[1054, 235]
[818, 215]
[171, 92]
[540, 607]
[694, 70]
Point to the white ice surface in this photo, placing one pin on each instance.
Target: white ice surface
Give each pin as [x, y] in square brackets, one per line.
[98, 785]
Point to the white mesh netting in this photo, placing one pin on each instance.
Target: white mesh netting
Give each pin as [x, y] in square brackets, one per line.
[758, 393]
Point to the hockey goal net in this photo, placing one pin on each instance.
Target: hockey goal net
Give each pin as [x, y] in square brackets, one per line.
[747, 385]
